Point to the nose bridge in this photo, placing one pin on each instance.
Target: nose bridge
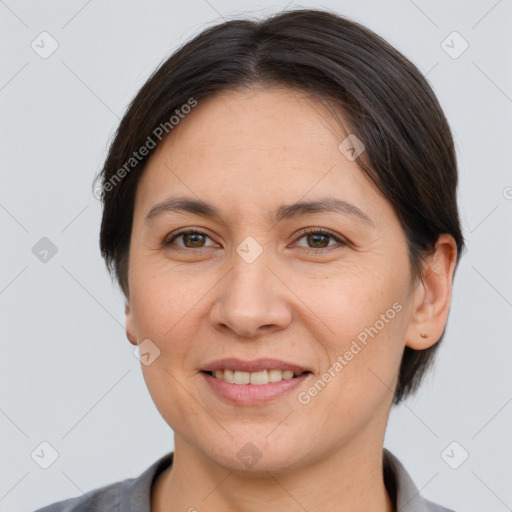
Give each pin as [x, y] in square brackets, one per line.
[249, 267]
[248, 287]
[250, 297]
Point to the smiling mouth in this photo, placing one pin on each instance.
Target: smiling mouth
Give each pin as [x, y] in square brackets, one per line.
[258, 378]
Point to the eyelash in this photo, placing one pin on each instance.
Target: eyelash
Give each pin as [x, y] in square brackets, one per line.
[302, 233]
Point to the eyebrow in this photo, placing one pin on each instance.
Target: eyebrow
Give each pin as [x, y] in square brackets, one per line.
[289, 211]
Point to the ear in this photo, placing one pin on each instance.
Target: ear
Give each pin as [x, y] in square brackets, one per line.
[432, 296]
[130, 327]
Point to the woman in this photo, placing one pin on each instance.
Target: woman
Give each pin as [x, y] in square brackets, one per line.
[280, 213]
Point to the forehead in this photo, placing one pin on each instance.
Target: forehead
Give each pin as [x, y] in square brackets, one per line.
[255, 147]
[257, 121]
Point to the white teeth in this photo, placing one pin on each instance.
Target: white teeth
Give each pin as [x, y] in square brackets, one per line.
[275, 375]
[257, 378]
[229, 376]
[242, 377]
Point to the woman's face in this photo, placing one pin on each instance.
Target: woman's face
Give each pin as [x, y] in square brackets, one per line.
[251, 284]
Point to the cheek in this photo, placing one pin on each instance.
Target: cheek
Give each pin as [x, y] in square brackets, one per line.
[366, 318]
[174, 399]
[164, 297]
[373, 353]
[349, 301]
[165, 306]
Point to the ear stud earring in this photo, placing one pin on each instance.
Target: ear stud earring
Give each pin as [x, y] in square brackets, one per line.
[423, 335]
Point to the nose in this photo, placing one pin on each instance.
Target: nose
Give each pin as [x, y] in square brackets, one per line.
[251, 300]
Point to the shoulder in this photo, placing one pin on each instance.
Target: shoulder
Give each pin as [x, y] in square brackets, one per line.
[435, 507]
[105, 498]
[129, 494]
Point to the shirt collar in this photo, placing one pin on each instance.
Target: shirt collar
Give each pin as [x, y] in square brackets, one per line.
[408, 498]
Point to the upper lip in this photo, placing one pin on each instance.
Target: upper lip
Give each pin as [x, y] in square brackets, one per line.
[253, 366]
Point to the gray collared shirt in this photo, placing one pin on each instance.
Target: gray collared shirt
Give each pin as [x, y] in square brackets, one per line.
[134, 494]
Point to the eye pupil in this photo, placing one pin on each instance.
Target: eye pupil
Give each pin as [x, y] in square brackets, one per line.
[194, 238]
[317, 238]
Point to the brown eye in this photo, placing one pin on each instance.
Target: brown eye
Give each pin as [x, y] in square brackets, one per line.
[193, 240]
[190, 239]
[320, 239]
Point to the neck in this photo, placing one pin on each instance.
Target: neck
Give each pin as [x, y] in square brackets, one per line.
[348, 479]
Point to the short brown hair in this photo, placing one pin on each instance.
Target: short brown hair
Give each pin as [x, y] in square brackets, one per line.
[409, 151]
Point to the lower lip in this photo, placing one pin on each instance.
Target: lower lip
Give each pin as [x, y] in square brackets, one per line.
[252, 394]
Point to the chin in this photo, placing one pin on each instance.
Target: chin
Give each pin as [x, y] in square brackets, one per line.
[256, 453]
[249, 462]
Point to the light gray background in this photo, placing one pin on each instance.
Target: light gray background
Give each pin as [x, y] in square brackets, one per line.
[68, 374]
